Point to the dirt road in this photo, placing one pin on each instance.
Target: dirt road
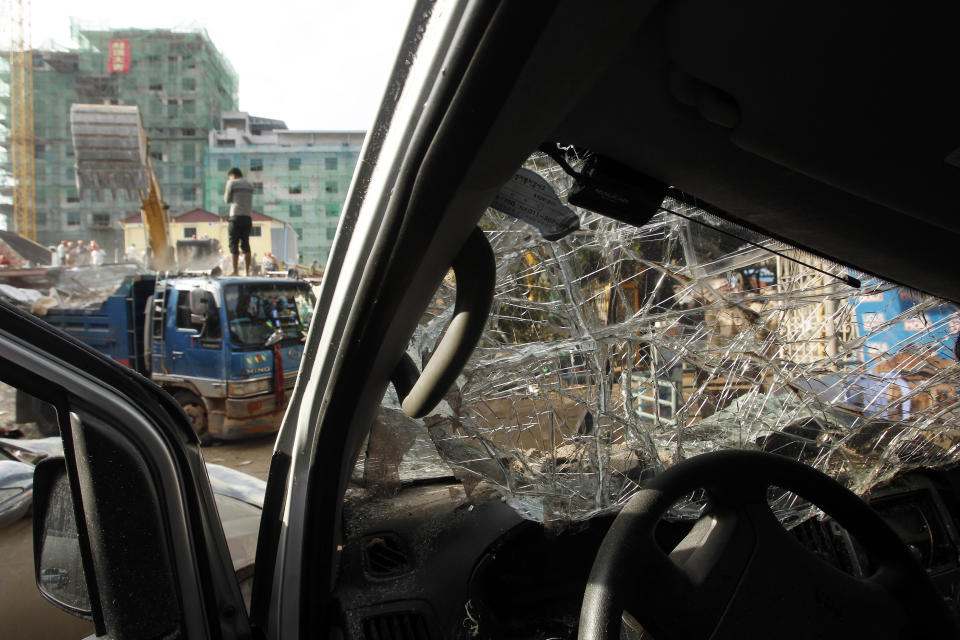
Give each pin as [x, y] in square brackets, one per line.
[248, 456]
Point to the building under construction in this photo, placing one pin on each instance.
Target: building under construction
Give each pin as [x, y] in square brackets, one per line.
[180, 82]
[299, 177]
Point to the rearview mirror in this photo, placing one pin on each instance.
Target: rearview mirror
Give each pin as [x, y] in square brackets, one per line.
[58, 560]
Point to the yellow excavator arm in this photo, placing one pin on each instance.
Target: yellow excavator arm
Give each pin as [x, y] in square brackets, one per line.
[113, 153]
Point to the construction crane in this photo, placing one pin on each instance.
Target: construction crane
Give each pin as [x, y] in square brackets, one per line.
[113, 153]
[21, 121]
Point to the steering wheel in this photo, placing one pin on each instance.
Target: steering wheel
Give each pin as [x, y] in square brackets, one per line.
[738, 573]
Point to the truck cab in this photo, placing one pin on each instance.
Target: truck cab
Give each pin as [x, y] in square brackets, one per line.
[220, 346]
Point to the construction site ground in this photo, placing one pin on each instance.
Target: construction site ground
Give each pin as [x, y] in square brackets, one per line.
[249, 456]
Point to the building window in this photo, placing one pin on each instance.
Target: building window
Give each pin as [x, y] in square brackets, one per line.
[156, 155]
[188, 133]
[189, 194]
[73, 218]
[293, 164]
[226, 143]
[101, 220]
[223, 164]
[294, 189]
[330, 164]
[189, 232]
[189, 106]
[296, 210]
[189, 151]
[156, 107]
[256, 231]
[331, 232]
[299, 232]
[189, 172]
[72, 195]
[256, 164]
[171, 108]
[155, 85]
[332, 187]
[257, 188]
[189, 84]
[68, 173]
[332, 210]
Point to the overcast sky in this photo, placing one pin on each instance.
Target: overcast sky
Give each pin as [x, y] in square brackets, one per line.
[318, 64]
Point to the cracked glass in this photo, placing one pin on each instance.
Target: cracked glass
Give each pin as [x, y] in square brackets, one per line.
[617, 351]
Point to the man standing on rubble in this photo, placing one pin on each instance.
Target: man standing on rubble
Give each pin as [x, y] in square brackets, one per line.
[239, 195]
[97, 255]
[71, 254]
[62, 253]
[83, 253]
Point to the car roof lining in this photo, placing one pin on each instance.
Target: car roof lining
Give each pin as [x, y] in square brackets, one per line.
[787, 127]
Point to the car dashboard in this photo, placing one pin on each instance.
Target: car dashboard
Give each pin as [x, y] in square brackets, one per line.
[431, 563]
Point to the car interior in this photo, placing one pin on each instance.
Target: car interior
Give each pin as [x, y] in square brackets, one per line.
[665, 119]
[664, 420]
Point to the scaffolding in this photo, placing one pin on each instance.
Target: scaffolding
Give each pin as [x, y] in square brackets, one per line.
[180, 82]
[826, 321]
[21, 116]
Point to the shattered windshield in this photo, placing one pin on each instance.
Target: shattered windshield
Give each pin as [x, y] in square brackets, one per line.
[616, 351]
[256, 310]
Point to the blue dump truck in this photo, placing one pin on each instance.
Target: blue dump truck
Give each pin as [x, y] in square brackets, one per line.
[228, 349]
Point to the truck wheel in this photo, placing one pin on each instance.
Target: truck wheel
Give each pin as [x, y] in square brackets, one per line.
[193, 406]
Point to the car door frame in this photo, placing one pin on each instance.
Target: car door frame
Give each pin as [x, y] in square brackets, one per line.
[454, 127]
[103, 406]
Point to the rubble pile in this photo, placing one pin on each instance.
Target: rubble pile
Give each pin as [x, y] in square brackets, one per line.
[71, 288]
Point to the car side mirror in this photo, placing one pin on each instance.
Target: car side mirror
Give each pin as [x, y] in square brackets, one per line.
[203, 311]
[274, 338]
[202, 306]
[57, 556]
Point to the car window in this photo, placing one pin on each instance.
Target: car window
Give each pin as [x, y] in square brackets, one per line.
[257, 310]
[617, 351]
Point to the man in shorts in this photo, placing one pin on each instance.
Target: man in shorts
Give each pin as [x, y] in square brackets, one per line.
[239, 195]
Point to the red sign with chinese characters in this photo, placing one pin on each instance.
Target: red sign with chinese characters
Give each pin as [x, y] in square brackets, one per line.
[118, 59]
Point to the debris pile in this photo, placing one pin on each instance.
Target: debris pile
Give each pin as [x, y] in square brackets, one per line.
[71, 288]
